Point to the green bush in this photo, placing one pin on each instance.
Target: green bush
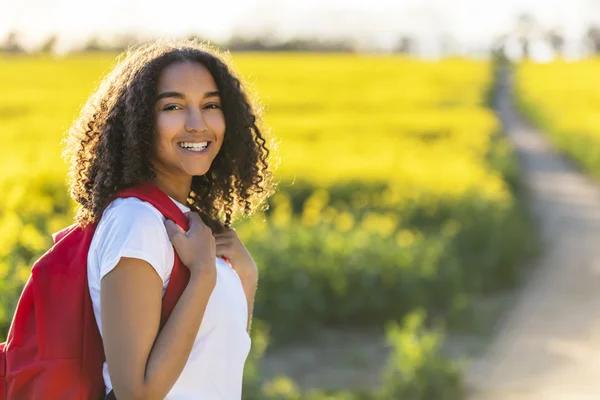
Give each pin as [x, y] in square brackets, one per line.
[366, 266]
[417, 370]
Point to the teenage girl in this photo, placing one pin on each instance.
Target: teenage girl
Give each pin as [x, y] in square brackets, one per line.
[173, 114]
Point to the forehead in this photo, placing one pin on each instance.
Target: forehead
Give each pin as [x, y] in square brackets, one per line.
[186, 77]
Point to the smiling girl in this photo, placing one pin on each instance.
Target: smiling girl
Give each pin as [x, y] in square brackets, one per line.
[172, 115]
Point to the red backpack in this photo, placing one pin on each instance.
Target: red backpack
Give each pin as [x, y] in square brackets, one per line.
[54, 349]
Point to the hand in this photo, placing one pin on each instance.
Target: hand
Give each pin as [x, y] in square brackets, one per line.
[230, 246]
[196, 247]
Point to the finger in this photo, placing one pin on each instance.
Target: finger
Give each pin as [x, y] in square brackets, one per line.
[193, 216]
[175, 232]
[218, 236]
[195, 221]
[172, 228]
[225, 233]
[223, 244]
[222, 249]
[223, 241]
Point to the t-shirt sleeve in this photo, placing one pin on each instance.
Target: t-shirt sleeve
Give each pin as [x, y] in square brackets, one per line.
[134, 230]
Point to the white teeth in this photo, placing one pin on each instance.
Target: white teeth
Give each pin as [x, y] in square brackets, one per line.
[193, 146]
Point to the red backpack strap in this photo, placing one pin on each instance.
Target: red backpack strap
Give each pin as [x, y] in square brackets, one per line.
[56, 237]
[159, 199]
[2, 371]
[181, 274]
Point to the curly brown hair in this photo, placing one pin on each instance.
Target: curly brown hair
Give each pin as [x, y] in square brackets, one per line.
[110, 145]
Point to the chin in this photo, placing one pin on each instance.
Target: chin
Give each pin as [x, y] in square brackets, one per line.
[199, 172]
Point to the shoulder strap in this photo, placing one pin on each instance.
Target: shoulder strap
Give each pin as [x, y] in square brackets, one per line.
[180, 274]
[159, 199]
[56, 237]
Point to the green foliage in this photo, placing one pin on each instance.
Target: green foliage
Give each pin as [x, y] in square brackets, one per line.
[340, 265]
[417, 370]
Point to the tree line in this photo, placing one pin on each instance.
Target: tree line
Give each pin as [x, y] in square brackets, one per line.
[12, 44]
[524, 31]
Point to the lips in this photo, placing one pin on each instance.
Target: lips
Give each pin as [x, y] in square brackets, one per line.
[197, 151]
[196, 146]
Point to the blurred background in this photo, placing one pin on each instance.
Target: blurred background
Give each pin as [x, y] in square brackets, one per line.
[400, 233]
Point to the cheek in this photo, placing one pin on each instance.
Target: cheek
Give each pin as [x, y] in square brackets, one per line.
[166, 125]
[165, 128]
[216, 121]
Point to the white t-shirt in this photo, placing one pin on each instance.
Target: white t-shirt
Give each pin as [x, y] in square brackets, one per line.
[134, 228]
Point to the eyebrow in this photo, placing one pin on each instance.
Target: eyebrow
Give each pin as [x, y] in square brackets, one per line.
[182, 96]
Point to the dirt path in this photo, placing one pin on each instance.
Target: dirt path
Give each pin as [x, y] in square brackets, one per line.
[549, 345]
[336, 359]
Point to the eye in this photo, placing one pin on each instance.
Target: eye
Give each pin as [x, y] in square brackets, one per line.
[212, 106]
[170, 107]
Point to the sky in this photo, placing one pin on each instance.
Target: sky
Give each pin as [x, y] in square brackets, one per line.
[369, 23]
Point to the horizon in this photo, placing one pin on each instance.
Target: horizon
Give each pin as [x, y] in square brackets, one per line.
[469, 25]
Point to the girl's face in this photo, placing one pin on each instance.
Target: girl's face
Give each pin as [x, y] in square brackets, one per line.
[189, 122]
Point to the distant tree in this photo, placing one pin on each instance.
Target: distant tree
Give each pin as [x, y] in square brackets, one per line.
[498, 48]
[119, 43]
[525, 47]
[593, 36]
[265, 43]
[314, 45]
[240, 43]
[93, 44]
[525, 29]
[49, 44]
[405, 45]
[556, 40]
[11, 43]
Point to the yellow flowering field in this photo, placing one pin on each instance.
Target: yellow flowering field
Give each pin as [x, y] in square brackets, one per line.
[396, 190]
[563, 98]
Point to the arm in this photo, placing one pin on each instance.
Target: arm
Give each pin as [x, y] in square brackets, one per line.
[249, 284]
[142, 365]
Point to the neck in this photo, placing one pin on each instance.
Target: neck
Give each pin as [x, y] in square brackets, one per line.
[179, 189]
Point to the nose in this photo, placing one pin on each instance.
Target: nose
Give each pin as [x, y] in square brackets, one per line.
[194, 121]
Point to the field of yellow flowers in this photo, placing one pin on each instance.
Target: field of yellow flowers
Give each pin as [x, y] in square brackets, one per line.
[563, 98]
[397, 191]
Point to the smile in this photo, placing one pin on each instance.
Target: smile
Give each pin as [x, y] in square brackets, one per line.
[197, 147]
